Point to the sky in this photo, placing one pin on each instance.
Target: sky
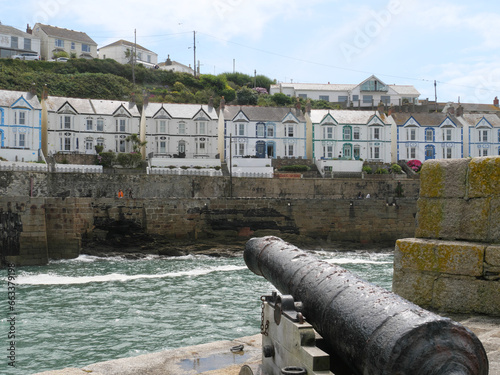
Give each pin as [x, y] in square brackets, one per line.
[406, 42]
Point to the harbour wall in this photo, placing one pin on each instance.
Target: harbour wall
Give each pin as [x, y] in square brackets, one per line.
[53, 228]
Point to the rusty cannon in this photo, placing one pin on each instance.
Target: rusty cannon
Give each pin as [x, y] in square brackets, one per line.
[374, 331]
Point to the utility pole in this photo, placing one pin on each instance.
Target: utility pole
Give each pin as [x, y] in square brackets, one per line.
[435, 96]
[194, 51]
[134, 51]
[255, 78]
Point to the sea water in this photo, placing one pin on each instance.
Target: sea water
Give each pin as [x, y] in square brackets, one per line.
[72, 313]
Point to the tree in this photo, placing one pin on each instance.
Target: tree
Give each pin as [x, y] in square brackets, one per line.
[246, 96]
[136, 142]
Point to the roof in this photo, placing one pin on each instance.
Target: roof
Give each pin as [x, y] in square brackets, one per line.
[8, 98]
[474, 118]
[58, 32]
[344, 116]
[405, 90]
[126, 43]
[315, 86]
[180, 111]
[91, 106]
[424, 119]
[254, 113]
[9, 30]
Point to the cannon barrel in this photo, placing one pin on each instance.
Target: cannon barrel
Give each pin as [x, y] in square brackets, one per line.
[375, 331]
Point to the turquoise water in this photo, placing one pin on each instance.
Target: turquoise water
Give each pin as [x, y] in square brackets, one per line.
[76, 312]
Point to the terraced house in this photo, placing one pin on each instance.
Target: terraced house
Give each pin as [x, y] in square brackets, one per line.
[20, 125]
[78, 125]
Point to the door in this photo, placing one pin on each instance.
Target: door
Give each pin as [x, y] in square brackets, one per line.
[260, 149]
[430, 152]
[271, 149]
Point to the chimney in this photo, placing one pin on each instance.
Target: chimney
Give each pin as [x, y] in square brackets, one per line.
[45, 92]
[451, 110]
[460, 110]
[381, 108]
[308, 106]
[210, 103]
[29, 30]
[298, 107]
[495, 101]
[168, 62]
[145, 98]
[132, 97]
[33, 89]
[222, 104]
[391, 110]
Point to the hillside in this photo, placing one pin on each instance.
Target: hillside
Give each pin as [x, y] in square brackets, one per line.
[108, 79]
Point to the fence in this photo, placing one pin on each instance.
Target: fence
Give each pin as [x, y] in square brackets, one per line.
[186, 172]
[76, 168]
[20, 166]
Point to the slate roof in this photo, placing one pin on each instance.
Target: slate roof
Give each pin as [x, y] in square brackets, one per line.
[345, 116]
[424, 119]
[9, 30]
[474, 118]
[9, 97]
[180, 111]
[90, 106]
[57, 32]
[405, 90]
[264, 114]
[316, 86]
[126, 43]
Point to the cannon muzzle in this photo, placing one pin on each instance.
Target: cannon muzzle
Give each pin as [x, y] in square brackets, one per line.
[375, 331]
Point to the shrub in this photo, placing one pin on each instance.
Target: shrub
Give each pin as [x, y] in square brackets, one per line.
[381, 171]
[131, 160]
[414, 164]
[106, 159]
[367, 169]
[396, 168]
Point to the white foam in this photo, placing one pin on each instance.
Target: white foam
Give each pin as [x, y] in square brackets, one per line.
[52, 279]
[354, 261]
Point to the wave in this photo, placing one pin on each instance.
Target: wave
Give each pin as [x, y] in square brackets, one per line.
[52, 279]
[355, 261]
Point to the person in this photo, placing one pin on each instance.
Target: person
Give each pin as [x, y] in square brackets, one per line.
[120, 193]
[130, 193]
[360, 196]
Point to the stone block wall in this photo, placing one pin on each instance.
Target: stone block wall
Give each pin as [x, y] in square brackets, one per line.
[453, 264]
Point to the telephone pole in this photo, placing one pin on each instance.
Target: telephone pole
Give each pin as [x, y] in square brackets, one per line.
[194, 51]
[134, 50]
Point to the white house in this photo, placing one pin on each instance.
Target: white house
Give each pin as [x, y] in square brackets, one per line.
[14, 41]
[424, 136]
[351, 135]
[78, 125]
[482, 133]
[55, 39]
[264, 132]
[175, 66]
[181, 130]
[123, 52]
[368, 93]
[20, 125]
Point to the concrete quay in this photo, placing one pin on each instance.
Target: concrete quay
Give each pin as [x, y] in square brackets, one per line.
[217, 358]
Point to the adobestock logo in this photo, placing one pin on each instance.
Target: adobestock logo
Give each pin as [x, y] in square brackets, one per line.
[224, 6]
[48, 9]
[365, 35]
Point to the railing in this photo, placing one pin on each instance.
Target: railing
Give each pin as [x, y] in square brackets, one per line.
[22, 167]
[76, 168]
[184, 172]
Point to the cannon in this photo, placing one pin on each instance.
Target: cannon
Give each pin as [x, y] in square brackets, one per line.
[374, 331]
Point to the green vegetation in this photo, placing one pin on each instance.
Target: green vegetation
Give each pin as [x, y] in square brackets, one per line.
[295, 168]
[108, 79]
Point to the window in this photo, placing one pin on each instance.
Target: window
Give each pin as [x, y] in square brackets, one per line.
[121, 125]
[447, 153]
[67, 144]
[357, 152]
[411, 153]
[182, 128]
[260, 130]
[446, 134]
[161, 126]
[499, 136]
[59, 43]
[240, 149]
[73, 46]
[356, 133]
[373, 85]
[289, 131]
[289, 149]
[326, 98]
[14, 42]
[85, 48]
[375, 152]
[100, 142]
[375, 133]
[328, 132]
[303, 96]
[148, 58]
[270, 131]
[65, 122]
[483, 152]
[121, 145]
[368, 99]
[429, 135]
[22, 140]
[89, 144]
[90, 125]
[20, 118]
[411, 134]
[342, 99]
[201, 147]
[355, 98]
[240, 129]
[483, 135]
[27, 44]
[347, 151]
[347, 133]
[385, 99]
[139, 55]
[100, 125]
[201, 127]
